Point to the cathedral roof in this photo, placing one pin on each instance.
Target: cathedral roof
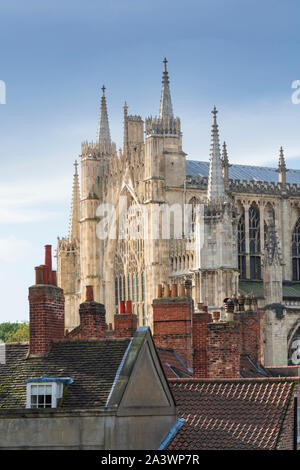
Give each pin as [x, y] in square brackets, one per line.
[243, 172]
[290, 289]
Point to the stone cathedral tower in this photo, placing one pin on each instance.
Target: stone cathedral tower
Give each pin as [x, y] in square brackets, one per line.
[243, 222]
[216, 260]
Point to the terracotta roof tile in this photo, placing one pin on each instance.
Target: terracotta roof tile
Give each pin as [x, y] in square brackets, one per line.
[230, 414]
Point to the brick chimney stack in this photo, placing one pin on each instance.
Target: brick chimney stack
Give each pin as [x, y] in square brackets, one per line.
[46, 308]
[125, 321]
[251, 331]
[172, 318]
[223, 349]
[92, 316]
[216, 344]
[201, 318]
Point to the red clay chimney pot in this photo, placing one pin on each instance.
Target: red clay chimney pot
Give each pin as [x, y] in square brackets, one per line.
[89, 293]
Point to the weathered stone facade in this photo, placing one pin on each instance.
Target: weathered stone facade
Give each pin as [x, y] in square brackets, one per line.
[242, 231]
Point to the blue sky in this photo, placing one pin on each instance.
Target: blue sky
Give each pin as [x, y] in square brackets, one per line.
[241, 56]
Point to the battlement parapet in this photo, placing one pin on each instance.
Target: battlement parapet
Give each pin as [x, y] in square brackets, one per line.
[245, 186]
[94, 151]
[167, 126]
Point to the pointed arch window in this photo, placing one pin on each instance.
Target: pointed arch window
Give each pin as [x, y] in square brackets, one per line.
[144, 314]
[254, 242]
[128, 287]
[124, 287]
[242, 246]
[143, 285]
[137, 287]
[133, 287]
[120, 289]
[116, 292]
[193, 202]
[296, 251]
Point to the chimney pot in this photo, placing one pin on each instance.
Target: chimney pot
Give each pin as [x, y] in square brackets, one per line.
[39, 275]
[121, 306]
[54, 278]
[128, 306]
[166, 290]
[48, 262]
[158, 291]
[181, 290]
[215, 316]
[89, 293]
[229, 305]
[174, 290]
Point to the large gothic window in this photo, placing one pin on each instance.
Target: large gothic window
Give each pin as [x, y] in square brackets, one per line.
[296, 251]
[242, 246]
[193, 203]
[254, 242]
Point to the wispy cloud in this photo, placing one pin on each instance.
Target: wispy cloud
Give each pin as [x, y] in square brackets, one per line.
[253, 131]
[13, 250]
[22, 202]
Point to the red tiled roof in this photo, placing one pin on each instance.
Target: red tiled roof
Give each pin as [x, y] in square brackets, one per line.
[230, 414]
[172, 365]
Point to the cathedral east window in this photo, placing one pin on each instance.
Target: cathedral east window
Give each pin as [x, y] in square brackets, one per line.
[254, 242]
[242, 246]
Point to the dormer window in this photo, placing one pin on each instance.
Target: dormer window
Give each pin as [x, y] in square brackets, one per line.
[45, 392]
[42, 396]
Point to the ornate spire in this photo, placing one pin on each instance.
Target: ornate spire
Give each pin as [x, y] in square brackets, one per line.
[166, 110]
[225, 160]
[75, 211]
[216, 187]
[103, 134]
[225, 165]
[281, 164]
[281, 170]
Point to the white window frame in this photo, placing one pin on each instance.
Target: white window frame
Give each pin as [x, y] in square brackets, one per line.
[56, 393]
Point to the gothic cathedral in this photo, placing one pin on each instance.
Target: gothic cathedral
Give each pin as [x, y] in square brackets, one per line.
[227, 230]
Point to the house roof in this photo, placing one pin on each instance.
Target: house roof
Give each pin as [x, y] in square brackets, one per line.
[243, 172]
[230, 414]
[92, 364]
[250, 369]
[172, 363]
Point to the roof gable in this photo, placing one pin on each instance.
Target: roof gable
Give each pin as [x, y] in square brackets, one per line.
[142, 385]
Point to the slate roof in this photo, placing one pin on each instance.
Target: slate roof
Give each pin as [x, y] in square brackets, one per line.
[230, 414]
[92, 364]
[243, 172]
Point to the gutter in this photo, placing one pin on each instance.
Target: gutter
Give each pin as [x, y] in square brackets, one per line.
[171, 434]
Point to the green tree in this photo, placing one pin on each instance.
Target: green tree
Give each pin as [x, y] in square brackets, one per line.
[14, 332]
